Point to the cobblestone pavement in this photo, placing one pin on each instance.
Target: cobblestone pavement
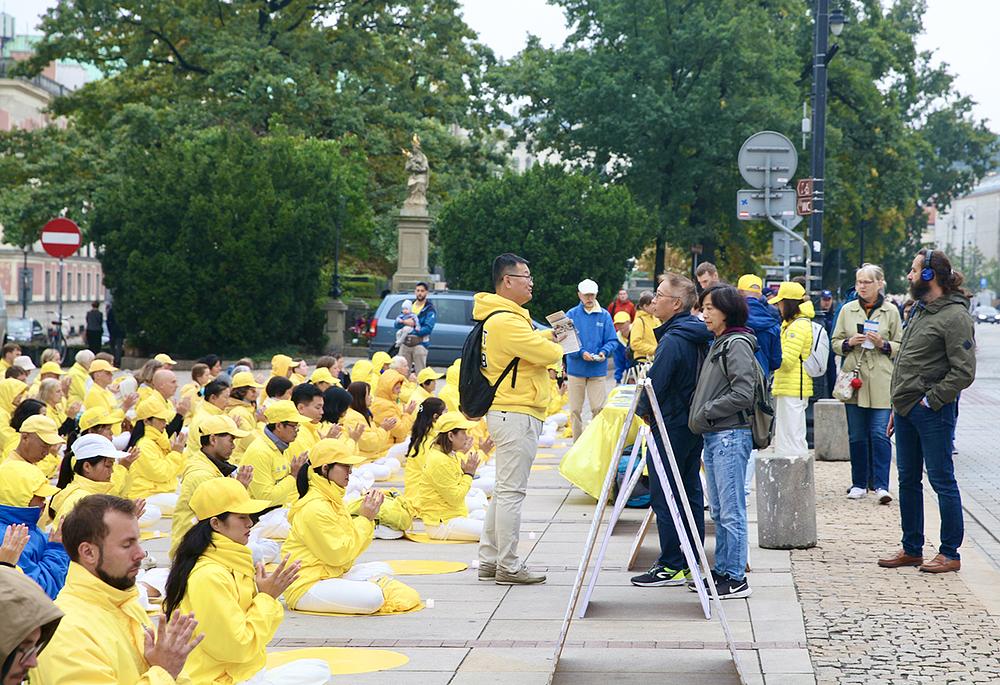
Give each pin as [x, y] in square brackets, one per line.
[865, 624]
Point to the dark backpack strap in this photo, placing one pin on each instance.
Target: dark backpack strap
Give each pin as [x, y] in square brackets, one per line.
[512, 366]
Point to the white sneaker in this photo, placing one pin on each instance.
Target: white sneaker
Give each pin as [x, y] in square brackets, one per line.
[856, 493]
[883, 496]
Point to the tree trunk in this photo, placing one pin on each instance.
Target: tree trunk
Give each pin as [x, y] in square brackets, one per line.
[659, 265]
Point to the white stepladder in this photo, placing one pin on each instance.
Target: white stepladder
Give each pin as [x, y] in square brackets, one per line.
[696, 558]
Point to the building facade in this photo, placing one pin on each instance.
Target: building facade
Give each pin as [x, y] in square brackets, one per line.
[972, 221]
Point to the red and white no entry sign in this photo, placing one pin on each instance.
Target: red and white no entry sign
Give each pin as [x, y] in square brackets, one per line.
[61, 238]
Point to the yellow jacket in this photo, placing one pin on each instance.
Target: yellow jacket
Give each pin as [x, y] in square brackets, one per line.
[272, 478]
[100, 397]
[443, 487]
[510, 335]
[205, 409]
[157, 467]
[309, 435]
[78, 384]
[556, 399]
[374, 442]
[449, 393]
[385, 406]
[245, 415]
[198, 469]
[100, 640]
[791, 380]
[413, 474]
[324, 537]
[63, 501]
[10, 388]
[419, 395]
[237, 621]
[641, 339]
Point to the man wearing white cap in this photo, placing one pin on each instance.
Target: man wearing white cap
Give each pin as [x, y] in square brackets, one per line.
[588, 368]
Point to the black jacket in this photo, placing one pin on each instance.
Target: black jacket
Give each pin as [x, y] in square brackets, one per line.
[683, 344]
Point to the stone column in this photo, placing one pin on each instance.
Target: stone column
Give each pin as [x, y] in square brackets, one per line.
[786, 501]
[336, 325]
[830, 431]
[413, 226]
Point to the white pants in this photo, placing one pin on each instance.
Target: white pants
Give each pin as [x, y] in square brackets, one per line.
[166, 502]
[380, 469]
[475, 499]
[349, 594]
[263, 551]
[460, 528]
[150, 515]
[485, 484]
[155, 578]
[595, 389]
[790, 425]
[273, 524]
[299, 672]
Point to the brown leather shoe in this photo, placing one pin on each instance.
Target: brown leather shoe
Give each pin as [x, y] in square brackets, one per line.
[941, 564]
[900, 558]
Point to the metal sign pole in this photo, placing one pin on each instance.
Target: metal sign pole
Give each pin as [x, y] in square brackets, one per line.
[59, 290]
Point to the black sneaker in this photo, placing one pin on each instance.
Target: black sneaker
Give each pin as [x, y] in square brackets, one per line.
[733, 589]
[715, 579]
[661, 576]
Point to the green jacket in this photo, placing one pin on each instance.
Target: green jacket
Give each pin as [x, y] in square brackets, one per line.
[937, 358]
[876, 366]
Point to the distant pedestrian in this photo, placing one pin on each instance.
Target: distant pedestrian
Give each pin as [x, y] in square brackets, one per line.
[707, 275]
[95, 327]
[867, 336]
[936, 361]
[622, 304]
[116, 334]
[642, 339]
[621, 356]
[588, 368]
[413, 347]
[765, 322]
[792, 384]
[827, 316]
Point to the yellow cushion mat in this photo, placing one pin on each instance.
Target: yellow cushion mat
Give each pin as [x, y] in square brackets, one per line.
[342, 660]
[377, 613]
[424, 567]
[152, 534]
[541, 467]
[425, 538]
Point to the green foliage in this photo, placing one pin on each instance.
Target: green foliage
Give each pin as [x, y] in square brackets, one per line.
[218, 239]
[569, 226]
[659, 94]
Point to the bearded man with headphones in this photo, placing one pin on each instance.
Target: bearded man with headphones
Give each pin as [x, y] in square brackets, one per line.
[936, 361]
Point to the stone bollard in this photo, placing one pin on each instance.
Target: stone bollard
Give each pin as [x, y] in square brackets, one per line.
[786, 501]
[830, 431]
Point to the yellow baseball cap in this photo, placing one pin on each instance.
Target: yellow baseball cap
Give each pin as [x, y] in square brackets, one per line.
[330, 451]
[43, 427]
[428, 374]
[789, 290]
[98, 416]
[221, 425]
[245, 379]
[154, 407]
[50, 367]
[100, 365]
[451, 421]
[20, 481]
[164, 358]
[283, 411]
[361, 372]
[323, 375]
[622, 317]
[220, 495]
[281, 363]
[750, 282]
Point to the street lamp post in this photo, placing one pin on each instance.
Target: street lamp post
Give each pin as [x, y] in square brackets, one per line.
[970, 216]
[825, 23]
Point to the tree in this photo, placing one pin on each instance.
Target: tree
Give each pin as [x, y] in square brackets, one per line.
[570, 226]
[218, 238]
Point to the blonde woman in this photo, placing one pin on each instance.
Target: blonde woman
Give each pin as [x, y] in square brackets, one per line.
[867, 338]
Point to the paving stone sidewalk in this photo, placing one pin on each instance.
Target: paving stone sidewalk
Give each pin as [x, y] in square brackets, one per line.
[865, 624]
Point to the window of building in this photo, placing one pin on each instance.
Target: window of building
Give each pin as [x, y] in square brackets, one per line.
[79, 285]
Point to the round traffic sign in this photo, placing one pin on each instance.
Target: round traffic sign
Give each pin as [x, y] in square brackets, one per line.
[764, 146]
[61, 238]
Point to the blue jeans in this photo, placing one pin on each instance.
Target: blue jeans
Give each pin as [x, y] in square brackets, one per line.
[726, 455]
[687, 452]
[871, 451]
[923, 438]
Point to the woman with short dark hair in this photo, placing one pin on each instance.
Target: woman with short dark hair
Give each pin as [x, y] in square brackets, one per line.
[721, 410]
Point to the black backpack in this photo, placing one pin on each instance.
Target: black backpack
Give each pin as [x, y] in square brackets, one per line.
[475, 393]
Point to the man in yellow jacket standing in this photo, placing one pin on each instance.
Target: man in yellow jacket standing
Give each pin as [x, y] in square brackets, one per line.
[106, 636]
[516, 415]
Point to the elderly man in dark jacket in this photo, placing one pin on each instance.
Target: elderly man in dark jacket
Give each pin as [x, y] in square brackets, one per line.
[683, 343]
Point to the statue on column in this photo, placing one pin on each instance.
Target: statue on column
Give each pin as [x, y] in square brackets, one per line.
[419, 173]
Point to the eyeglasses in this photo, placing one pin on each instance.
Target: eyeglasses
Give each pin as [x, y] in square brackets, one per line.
[26, 655]
[864, 282]
[530, 278]
[672, 297]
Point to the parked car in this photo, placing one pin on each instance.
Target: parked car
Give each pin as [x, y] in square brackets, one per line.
[26, 331]
[454, 323]
[986, 314]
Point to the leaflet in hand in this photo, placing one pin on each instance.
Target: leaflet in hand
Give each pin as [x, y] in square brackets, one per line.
[564, 332]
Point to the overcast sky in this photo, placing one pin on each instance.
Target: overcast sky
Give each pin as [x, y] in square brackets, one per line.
[962, 32]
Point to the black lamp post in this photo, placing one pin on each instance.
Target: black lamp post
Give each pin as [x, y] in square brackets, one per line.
[826, 22]
[335, 291]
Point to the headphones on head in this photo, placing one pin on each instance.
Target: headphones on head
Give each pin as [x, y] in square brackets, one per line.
[927, 274]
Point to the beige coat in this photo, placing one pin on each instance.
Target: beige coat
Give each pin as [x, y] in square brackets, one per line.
[876, 366]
